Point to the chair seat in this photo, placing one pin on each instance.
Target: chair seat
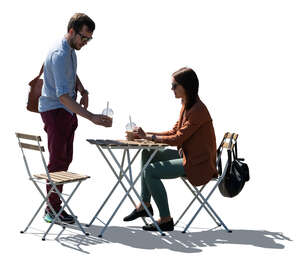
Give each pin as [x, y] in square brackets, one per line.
[61, 177]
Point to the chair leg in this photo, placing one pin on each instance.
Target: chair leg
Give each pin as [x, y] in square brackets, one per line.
[62, 208]
[38, 210]
[196, 192]
[183, 213]
[216, 215]
[204, 202]
[77, 222]
[195, 197]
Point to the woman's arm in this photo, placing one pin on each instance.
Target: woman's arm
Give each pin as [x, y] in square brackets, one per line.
[166, 133]
[190, 126]
[193, 122]
[141, 134]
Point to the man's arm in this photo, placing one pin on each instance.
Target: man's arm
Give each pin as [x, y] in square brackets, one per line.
[84, 93]
[62, 91]
[79, 86]
[73, 106]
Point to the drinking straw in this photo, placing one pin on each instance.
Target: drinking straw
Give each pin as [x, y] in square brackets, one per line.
[130, 122]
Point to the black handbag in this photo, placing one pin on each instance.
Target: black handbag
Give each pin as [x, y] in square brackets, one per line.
[237, 173]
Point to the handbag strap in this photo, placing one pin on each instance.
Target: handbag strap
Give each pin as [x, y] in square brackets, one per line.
[41, 71]
[32, 82]
[235, 153]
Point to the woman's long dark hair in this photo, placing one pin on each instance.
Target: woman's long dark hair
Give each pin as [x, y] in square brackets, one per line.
[190, 83]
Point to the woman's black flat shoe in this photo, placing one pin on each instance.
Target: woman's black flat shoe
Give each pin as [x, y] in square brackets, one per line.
[166, 226]
[136, 214]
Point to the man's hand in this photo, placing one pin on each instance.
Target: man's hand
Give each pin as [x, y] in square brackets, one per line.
[73, 106]
[84, 100]
[102, 120]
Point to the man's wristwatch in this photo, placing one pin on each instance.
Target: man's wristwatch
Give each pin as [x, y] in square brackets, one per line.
[153, 138]
[84, 92]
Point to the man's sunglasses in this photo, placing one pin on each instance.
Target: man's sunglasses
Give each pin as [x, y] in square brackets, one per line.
[84, 38]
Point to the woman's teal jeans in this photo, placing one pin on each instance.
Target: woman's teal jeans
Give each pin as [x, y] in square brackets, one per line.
[166, 164]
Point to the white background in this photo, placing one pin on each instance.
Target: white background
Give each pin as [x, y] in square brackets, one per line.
[246, 55]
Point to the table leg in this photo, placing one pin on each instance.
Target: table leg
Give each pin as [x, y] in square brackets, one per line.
[119, 177]
[132, 187]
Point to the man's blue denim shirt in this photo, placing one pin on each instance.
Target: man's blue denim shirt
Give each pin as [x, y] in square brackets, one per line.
[59, 76]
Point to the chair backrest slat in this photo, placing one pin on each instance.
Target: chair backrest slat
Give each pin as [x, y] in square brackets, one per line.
[227, 146]
[28, 137]
[31, 142]
[234, 136]
[31, 147]
[231, 140]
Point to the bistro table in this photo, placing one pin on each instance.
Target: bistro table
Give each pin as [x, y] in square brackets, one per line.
[137, 145]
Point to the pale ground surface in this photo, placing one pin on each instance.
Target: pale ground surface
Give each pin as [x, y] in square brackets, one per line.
[246, 54]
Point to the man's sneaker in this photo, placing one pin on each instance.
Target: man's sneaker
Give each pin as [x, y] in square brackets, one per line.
[48, 218]
[64, 217]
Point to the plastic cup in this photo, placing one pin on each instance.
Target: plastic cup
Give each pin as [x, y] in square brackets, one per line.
[130, 135]
[130, 126]
[108, 112]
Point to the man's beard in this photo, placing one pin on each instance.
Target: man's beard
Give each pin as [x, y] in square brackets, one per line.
[72, 44]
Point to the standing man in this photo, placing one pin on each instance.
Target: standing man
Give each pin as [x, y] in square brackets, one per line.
[58, 106]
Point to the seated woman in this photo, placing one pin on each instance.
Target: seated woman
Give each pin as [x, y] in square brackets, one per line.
[194, 136]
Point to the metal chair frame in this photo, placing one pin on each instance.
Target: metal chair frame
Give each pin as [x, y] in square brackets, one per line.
[55, 178]
[198, 194]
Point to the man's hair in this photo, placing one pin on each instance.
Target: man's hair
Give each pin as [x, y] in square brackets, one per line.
[78, 20]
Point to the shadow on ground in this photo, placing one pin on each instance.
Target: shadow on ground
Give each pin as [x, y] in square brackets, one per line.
[191, 242]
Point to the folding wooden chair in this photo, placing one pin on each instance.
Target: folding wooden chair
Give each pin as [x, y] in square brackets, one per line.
[232, 137]
[54, 178]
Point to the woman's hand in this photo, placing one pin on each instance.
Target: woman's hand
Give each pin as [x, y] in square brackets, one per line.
[139, 132]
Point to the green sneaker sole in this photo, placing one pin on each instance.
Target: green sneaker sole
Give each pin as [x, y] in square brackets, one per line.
[48, 219]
